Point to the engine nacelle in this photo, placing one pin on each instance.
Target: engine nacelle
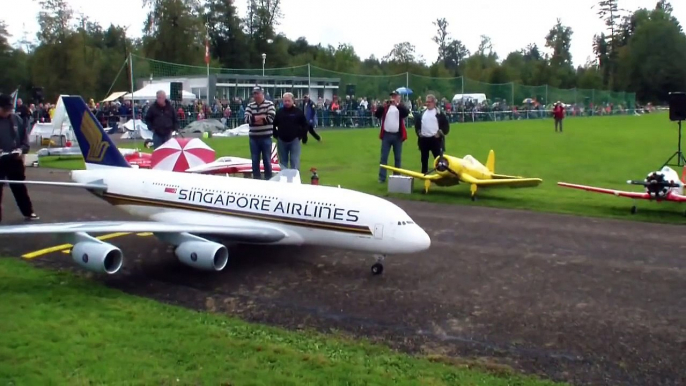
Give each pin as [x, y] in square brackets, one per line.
[98, 256]
[205, 255]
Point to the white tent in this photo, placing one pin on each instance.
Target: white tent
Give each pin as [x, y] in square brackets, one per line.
[114, 96]
[149, 92]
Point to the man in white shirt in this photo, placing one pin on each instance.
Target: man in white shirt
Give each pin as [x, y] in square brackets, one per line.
[393, 133]
[431, 126]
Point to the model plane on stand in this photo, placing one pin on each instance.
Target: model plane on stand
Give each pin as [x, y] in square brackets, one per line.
[182, 206]
[449, 171]
[662, 185]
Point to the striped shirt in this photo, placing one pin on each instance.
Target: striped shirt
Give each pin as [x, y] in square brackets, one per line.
[265, 109]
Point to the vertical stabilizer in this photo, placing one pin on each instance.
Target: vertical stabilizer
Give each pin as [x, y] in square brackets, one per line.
[490, 163]
[97, 148]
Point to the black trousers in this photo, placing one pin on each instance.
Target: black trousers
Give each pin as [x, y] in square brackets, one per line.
[12, 168]
[426, 145]
[310, 129]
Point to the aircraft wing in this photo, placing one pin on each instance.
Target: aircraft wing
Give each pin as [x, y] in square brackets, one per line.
[618, 193]
[676, 197]
[502, 182]
[410, 173]
[239, 234]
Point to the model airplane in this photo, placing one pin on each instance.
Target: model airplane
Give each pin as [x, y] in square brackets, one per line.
[182, 206]
[662, 185]
[449, 171]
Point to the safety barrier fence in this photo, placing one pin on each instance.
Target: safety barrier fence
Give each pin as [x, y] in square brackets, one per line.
[322, 83]
[357, 119]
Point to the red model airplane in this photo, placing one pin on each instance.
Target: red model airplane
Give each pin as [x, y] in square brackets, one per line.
[663, 185]
[223, 165]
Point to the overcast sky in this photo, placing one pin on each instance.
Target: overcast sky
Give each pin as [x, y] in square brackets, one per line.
[373, 27]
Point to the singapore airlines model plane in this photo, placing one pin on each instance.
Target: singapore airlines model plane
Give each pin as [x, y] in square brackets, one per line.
[183, 206]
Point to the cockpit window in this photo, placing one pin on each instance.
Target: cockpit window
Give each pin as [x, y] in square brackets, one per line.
[405, 222]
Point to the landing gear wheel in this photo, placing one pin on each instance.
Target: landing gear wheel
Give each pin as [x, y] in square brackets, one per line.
[147, 143]
[633, 210]
[377, 269]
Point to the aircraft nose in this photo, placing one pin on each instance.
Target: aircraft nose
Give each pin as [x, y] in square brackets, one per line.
[420, 240]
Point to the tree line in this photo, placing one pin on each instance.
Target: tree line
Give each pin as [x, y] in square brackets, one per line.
[641, 51]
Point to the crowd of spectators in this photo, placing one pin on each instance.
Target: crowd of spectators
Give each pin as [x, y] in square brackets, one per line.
[342, 112]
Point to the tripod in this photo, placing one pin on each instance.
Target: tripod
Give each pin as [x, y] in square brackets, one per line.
[680, 159]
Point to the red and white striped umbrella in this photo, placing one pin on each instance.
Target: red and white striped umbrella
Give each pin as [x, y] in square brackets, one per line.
[180, 154]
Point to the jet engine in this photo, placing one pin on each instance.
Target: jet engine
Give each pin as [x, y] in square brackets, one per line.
[204, 255]
[657, 186]
[97, 256]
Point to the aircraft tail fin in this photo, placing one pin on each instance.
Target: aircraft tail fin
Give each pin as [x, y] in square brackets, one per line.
[97, 148]
[275, 154]
[490, 162]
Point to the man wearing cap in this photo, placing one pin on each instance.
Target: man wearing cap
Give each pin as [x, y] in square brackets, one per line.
[558, 115]
[392, 117]
[14, 143]
[259, 115]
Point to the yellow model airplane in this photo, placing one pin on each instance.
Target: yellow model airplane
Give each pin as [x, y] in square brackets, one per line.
[449, 171]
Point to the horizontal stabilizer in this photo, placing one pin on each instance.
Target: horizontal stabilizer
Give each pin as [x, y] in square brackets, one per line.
[243, 234]
[92, 185]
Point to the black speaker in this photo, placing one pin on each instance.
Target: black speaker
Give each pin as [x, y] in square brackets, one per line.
[350, 89]
[37, 94]
[176, 91]
[677, 106]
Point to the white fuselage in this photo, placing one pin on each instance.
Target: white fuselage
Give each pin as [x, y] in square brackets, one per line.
[307, 214]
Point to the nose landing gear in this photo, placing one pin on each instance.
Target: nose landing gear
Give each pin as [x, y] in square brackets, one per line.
[377, 268]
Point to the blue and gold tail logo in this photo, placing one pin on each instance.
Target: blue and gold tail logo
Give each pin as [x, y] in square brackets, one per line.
[96, 146]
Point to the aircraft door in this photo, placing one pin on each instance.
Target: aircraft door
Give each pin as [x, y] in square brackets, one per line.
[378, 231]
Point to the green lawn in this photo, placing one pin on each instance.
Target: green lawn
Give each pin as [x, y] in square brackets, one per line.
[601, 151]
[56, 328]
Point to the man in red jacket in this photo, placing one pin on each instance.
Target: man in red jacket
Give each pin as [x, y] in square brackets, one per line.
[392, 117]
[558, 115]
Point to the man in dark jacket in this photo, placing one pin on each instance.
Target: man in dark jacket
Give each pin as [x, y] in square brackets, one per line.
[14, 143]
[290, 126]
[161, 119]
[431, 127]
[393, 133]
[310, 111]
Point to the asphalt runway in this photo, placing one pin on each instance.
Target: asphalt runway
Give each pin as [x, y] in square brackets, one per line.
[589, 301]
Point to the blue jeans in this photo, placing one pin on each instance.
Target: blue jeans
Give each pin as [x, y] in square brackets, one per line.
[289, 151]
[261, 147]
[390, 141]
[159, 140]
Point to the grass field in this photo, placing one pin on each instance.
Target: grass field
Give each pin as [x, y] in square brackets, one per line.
[57, 329]
[603, 151]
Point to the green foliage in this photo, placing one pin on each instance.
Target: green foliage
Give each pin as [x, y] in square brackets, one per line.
[60, 329]
[641, 52]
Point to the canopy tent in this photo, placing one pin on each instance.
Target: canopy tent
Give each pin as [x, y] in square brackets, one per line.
[149, 92]
[114, 96]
